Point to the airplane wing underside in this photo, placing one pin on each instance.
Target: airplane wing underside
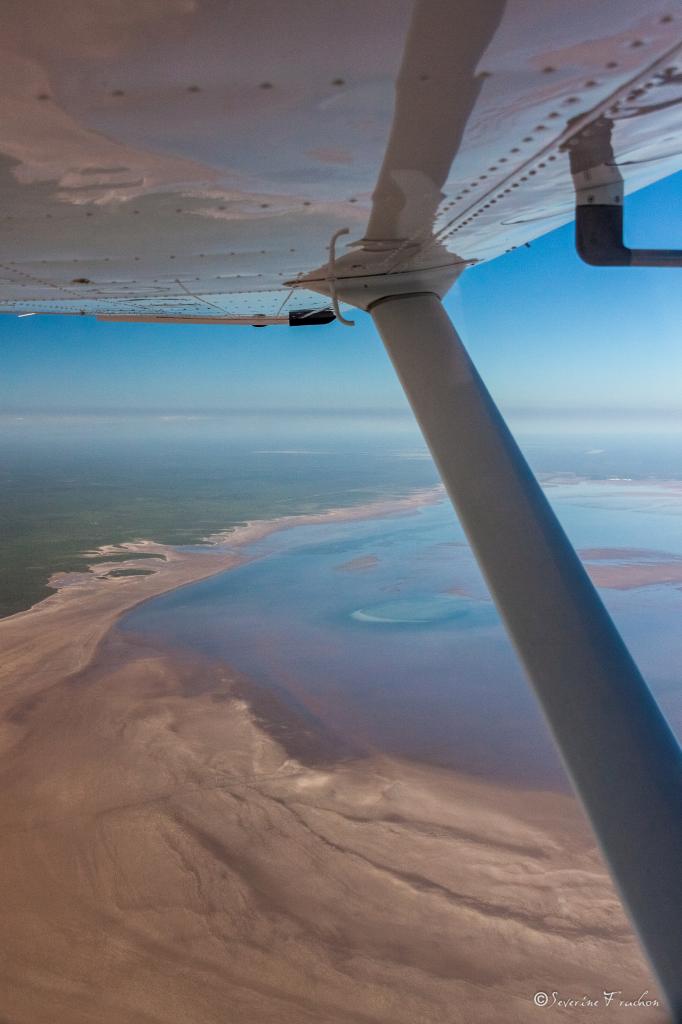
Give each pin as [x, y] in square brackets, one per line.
[191, 160]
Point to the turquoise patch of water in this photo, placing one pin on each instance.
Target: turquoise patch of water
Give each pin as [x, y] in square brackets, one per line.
[418, 610]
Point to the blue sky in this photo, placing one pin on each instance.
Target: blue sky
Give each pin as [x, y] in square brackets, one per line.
[551, 336]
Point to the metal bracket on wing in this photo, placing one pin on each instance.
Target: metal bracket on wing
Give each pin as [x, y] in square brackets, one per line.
[331, 278]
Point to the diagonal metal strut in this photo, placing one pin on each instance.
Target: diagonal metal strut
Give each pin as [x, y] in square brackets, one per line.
[618, 749]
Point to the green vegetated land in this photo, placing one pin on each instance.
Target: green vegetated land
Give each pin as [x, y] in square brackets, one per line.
[62, 497]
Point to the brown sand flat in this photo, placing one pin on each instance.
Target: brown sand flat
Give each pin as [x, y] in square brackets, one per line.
[627, 554]
[360, 564]
[165, 860]
[630, 577]
[458, 591]
[638, 567]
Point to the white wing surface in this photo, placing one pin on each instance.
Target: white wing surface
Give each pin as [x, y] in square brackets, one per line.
[190, 159]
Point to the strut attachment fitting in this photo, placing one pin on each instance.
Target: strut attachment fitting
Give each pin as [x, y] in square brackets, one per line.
[331, 279]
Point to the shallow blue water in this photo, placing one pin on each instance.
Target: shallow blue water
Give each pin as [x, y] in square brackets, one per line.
[384, 631]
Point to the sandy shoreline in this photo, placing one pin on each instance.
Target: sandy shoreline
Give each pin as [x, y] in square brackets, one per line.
[64, 629]
[168, 861]
[172, 567]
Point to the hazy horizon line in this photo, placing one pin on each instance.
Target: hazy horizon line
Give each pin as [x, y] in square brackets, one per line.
[390, 412]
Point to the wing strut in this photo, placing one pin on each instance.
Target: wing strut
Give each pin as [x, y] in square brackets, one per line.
[617, 746]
